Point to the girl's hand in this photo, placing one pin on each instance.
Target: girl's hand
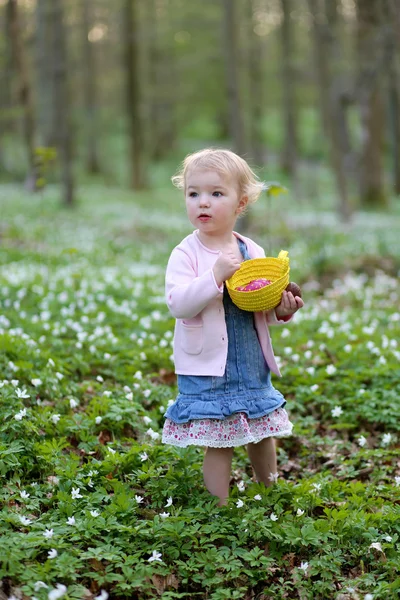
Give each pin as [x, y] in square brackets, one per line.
[289, 305]
[225, 266]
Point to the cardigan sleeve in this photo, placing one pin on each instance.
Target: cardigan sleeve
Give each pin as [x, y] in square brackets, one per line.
[272, 319]
[186, 293]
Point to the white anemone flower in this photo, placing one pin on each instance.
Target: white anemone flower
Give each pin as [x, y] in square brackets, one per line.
[59, 591]
[75, 493]
[387, 438]
[304, 566]
[273, 517]
[155, 556]
[376, 546]
[25, 520]
[39, 585]
[48, 534]
[337, 411]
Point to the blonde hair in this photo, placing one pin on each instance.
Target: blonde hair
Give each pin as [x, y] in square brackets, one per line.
[224, 162]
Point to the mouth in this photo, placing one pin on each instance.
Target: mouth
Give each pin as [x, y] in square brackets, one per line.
[204, 217]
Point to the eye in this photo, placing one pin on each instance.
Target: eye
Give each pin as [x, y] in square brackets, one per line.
[193, 195]
[217, 194]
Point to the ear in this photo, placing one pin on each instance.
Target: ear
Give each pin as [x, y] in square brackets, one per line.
[242, 204]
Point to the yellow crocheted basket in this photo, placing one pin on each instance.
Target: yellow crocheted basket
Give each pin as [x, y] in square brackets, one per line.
[274, 269]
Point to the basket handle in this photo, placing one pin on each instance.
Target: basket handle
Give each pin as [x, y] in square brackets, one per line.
[283, 256]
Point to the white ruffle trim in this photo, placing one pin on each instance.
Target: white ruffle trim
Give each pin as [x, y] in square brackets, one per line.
[235, 430]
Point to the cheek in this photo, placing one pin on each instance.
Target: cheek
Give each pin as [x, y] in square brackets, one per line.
[190, 210]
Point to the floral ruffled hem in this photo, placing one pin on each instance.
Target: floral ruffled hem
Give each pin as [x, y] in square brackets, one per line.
[235, 430]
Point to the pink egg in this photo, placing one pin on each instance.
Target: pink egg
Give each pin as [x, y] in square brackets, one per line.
[256, 284]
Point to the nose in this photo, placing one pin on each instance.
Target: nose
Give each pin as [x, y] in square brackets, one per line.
[204, 200]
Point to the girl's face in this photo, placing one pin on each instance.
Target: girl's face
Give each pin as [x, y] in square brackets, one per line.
[213, 202]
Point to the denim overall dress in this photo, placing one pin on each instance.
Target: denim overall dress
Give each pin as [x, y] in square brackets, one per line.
[240, 407]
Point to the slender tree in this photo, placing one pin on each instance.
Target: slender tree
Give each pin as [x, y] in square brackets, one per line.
[163, 81]
[255, 56]
[89, 88]
[137, 158]
[231, 51]
[45, 93]
[392, 17]
[61, 101]
[290, 144]
[331, 94]
[372, 45]
[24, 94]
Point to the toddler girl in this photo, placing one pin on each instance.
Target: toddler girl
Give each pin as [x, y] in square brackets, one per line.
[223, 355]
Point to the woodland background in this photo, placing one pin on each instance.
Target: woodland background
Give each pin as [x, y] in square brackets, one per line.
[116, 88]
[99, 103]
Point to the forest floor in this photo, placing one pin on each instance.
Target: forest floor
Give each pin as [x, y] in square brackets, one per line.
[93, 501]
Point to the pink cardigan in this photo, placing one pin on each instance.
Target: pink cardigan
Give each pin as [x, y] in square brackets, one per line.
[195, 300]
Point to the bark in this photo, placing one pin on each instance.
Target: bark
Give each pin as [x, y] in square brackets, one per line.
[332, 98]
[290, 144]
[165, 84]
[393, 20]
[371, 43]
[24, 93]
[236, 123]
[89, 89]
[61, 104]
[137, 159]
[255, 88]
[6, 75]
[44, 41]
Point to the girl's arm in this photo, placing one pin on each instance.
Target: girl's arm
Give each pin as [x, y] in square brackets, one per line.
[186, 293]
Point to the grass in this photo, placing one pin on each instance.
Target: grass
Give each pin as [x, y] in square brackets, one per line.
[93, 501]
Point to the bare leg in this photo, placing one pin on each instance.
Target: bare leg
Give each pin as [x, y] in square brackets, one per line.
[263, 459]
[217, 472]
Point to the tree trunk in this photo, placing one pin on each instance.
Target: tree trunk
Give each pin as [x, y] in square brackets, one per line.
[6, 75]
[290, 144]
[24, 91]
[236, 124]
[89, 89]
[320, 33]
[61, 104]
[255, 88]
[393, 25]
[331, 100]
[137, 159]
[44, 41]
[164, 82]
[370, 42]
